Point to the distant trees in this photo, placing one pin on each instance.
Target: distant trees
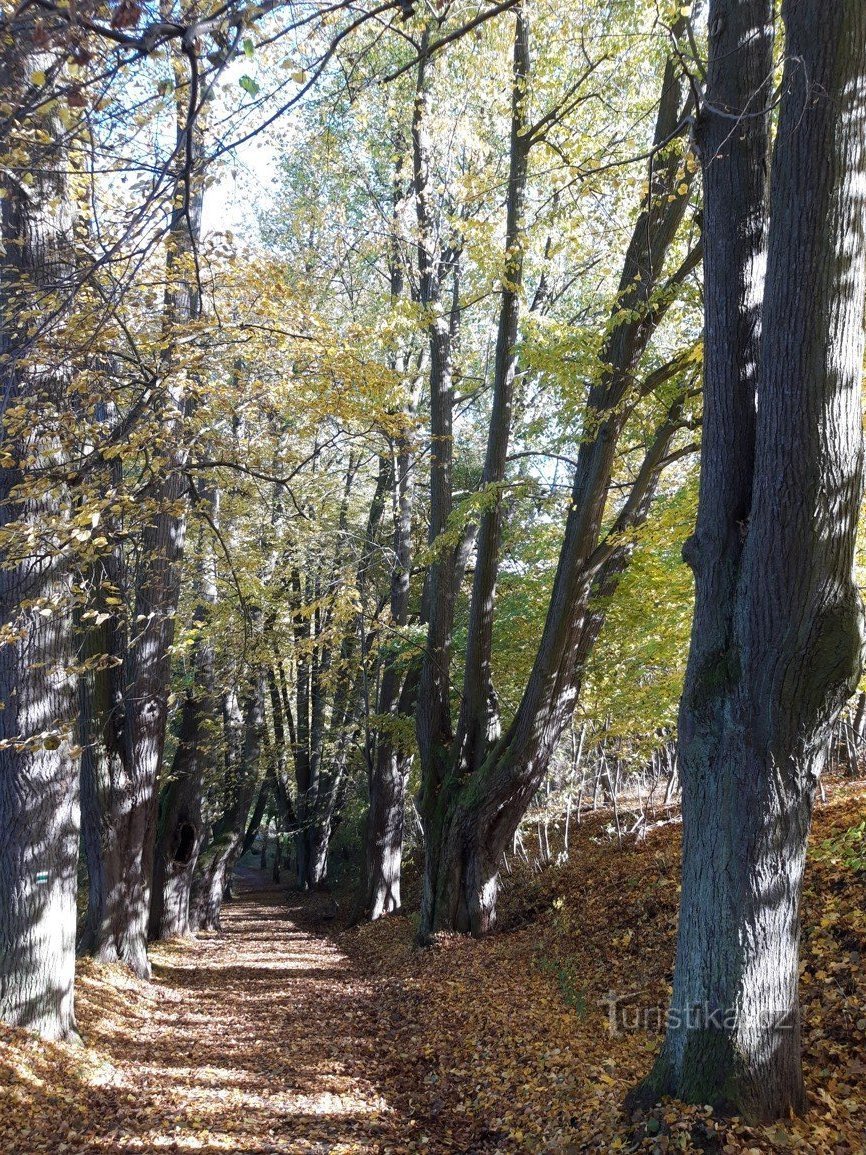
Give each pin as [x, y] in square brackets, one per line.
[778, 629]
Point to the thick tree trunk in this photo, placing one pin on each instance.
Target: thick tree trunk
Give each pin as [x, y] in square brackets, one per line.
[121, 852]
[388, 766]
[775, 659]
[39, 813]
[39, 805]
[384, 833]
[101, 736]
[181, 827]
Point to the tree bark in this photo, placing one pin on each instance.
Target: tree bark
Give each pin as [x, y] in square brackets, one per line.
[181, 832]
[778, 632]
[39, 802]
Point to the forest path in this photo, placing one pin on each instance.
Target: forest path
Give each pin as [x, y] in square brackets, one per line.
[259, 1039]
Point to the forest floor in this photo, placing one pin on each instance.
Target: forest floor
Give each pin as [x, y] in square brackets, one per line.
[286, 1033]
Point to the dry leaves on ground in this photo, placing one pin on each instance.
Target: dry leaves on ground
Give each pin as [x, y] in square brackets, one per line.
[280, 1035]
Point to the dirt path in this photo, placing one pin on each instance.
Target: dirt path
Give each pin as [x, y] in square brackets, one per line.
[261, 1039]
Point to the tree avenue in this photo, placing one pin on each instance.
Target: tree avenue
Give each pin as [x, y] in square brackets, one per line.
[431, 464]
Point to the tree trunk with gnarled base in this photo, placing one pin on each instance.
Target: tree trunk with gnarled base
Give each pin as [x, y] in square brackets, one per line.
[778, 629]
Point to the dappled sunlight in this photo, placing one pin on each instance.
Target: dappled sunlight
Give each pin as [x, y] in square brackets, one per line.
[256, 1039]
[249, 1043]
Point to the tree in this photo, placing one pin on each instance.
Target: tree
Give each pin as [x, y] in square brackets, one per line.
[389, 759]
[778, 627]
[478, 781]
[120, 813]
[39, 804]
[180, 832]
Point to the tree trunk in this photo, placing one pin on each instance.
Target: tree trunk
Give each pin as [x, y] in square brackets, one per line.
[775, 656]
[39, 804]
[101, 736]
[479, 725]
[433, 715]
[388, 764]
[181, 832]
[278, 856]
[122, 919]
[245, 733]
[181, 827]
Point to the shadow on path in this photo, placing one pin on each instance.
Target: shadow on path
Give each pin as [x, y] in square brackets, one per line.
[256, 1040]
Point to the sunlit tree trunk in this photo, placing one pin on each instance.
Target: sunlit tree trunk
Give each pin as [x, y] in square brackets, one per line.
[389, 760]
[778, 630]
[39, 804]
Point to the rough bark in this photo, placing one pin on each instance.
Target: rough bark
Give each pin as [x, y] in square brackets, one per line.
[389, 762]
[39, 804]
[181, 832]
[778, 632]
[101, 735]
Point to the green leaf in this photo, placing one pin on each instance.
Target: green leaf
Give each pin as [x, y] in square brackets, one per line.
[249, 85]
[249, 48]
